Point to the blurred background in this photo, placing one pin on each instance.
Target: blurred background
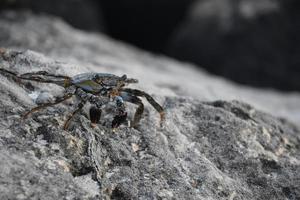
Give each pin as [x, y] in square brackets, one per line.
[252, 42]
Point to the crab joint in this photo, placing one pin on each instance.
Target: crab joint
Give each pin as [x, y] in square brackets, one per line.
[162, 117]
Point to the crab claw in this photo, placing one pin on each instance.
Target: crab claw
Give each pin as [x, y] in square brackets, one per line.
[118, 120]
[95, 115]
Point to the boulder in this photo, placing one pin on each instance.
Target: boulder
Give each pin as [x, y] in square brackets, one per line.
[147, 23]
[81, 14]
[206, 149]
[252, 42]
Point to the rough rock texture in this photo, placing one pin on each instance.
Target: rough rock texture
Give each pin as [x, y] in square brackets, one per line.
[253, 42]
[207, 149]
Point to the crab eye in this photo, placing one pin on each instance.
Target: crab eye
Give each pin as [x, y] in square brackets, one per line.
[131, 80]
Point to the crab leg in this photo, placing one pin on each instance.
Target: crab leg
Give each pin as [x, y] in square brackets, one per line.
[45, 77]
[57, 101]
[78, 109]
[150, 99]
[139, 111]
[38, 77]
[43, 73]
[8, 72]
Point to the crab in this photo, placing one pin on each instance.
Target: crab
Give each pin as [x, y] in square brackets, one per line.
[98, 89]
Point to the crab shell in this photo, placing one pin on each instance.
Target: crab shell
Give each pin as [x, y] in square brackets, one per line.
[95, 82]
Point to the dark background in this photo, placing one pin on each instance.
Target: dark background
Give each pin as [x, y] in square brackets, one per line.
[253, 42]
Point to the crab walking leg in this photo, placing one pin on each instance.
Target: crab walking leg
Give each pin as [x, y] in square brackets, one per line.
[43, 73]
[4, 71]
[45, 77]
[139, 111]
[8, 72]
[140, 93]
[57, 101]
[78, 109]
[37, 76]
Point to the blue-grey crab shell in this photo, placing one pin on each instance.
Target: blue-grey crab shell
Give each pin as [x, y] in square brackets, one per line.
[87, 82]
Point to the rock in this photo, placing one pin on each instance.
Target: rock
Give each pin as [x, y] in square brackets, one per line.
[207, 148]
[147, 23]
[81, 14]
[252, 42]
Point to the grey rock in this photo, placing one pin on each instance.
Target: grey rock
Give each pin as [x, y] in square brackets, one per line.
[252, 42]
[83, 14]
[207, 149]
[147, 23]
[43, 97]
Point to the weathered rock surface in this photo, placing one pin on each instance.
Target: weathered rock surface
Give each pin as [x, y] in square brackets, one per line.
[250, 41]
[207, 149]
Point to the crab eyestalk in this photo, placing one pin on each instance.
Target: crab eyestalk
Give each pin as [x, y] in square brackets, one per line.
[131, 80]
